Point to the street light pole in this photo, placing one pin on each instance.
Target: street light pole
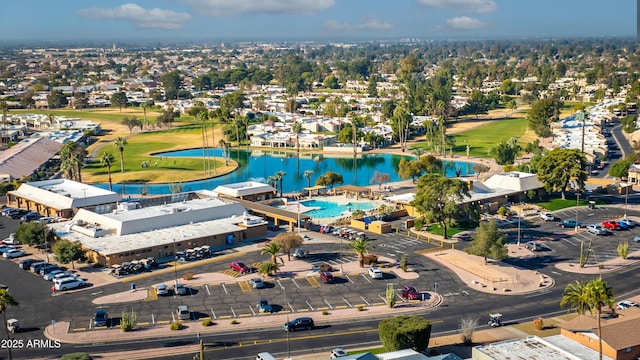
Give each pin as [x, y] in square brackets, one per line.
[577, 204]
[626, 198]
[519, 220]
[175, 261]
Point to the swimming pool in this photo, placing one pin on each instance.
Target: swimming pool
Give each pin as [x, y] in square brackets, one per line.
[329, 209]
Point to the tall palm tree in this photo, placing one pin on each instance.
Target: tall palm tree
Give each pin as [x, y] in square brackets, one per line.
[297, 129]
[72, 158]
[599, 294]
[361, 247]
[280, 174]
[272, 249]
[107, 159]
[78, 156]
[225, 149]
[6, 300]
[119, 144]
[575, 297]
[307, 174]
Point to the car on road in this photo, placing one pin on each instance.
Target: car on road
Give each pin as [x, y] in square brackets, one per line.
[326, 277]
[338, 353]
[376, 273]
[611, 225]
[179, 289]
[546, 216]
[256, 283]
[570, 223]
[100, 318]
[630, 223]
[596, 229]
[162, 290]
[30, 216]
[533, 246]
[264, 306]
[299, 324]
[183, 312]
[625, 304]
[409, 292]
[240, 267]
[463, 236]
[14, 253]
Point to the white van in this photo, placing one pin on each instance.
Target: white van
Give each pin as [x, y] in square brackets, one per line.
[68, 284]
[265, 356]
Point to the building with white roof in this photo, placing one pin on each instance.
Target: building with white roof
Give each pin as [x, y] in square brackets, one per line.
[533, 348]
[247, 190]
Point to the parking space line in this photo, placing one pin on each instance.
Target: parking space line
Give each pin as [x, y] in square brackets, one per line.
[390, 254]
[213, 314]
[173, 317]
[365, 300]
[366, 278]
[153, 319]
[252, 311]
[345, 300]
[569, 241]
[233, 312]
[291, 307]
[207, 288]
[244, 286]
[329, 304]
[295, 283]
[399, 297]
[280, 284]
[310, 307]
[348, 278]
[383, 299]
[225, 289]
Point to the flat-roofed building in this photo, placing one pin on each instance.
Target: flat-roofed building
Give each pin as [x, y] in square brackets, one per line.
[60, 197]
[160, 227]
[532, 348]
[247, 190]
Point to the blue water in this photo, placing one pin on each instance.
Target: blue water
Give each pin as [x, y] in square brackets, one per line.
[257, 165]
[332, 209]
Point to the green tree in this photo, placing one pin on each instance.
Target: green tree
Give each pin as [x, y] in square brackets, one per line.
[131, 123]
[559, 166]
[72, 157]
[542, 113]
[505, 152]
[268, 268]
[331, 82]
[429, 164]
[171, 82]
[119, 100]
[6, 300]
[128, 321]
[56, 99]
[288, 242]
[575, 296]
[629, 123]
[489, 241]
[620, 168]
[33, 233]
[479, 169]
[68, 252]
[296, 128]
[280, 174]
[119, 144]
[408, 169]
[437, 199]
[273, 249]
[372, 87]
[307, 174]
[330, 178]
[405, 332]
[107, 159]
[232, 101]
[361, 247]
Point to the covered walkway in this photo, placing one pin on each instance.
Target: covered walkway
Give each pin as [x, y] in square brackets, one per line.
[278, 215]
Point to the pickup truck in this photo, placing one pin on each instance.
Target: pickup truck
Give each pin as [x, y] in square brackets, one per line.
[570, 223]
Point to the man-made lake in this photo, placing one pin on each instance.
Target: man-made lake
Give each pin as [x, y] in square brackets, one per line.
[257, 165]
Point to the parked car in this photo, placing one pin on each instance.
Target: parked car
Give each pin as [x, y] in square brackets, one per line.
[628, 222]
[463, 236]
[534, 246]
[625, 304]
[44, 220]
[338, 353]
[35, 267]
[65, 275]
[50, 276]
[300, 253]
[100, 318]
[299, 324]
[18, 213]
[30, 216]
[162, 290]
[376, 273]
[623, 225]
[256, 283]
[14, 253]
[183, 312]
[6, 211]
[240, 267]
[11, 240]
[326, 277]
[611, 225]
[25, 264]
[4, 248]
[68, 284]
[264, 306]
[47, 269]
[409, 292]
[546, 216]
[596, 229]
[570, 223]
[326, 229]
[179, 289]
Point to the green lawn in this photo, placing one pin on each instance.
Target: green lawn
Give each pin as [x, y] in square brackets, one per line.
[487, 136]
[558, 203]
[435, 229]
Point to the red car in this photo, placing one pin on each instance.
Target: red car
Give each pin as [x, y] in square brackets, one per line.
[239, 267]
[409, 292]
[611, 225]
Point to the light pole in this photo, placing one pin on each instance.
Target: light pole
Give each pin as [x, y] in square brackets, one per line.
[626, 198]
[577, 204]
[175, 261]
[288, 330]
[519, 220]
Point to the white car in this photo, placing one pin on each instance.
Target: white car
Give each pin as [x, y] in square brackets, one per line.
[68, 284]
[13, 254]
[376, 273]
[596, 229]
[64, 275]
[547, 216]
[534, 246]
[338, 353]
[162, 290]
[50, 276]
[625, 304]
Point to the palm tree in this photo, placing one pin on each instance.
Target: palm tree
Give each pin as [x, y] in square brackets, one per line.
[280, 174]
[361, 247]
[417, 152]
[225, 149]
[119, 144]
[72, 159]
[273, 181]
[272, 249]
[297, 129]
[5, 300]
[307, 174]
[574, 296]
[107, 159]
[268, 268]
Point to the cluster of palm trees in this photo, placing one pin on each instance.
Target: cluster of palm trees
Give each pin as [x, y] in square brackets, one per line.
[72, 158]
[276, 180]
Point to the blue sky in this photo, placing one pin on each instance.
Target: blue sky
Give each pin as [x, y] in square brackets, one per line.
[313, 19]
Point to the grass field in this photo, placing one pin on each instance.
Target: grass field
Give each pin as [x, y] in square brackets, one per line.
[558, 203]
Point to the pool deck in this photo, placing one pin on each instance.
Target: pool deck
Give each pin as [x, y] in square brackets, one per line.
[338, 199]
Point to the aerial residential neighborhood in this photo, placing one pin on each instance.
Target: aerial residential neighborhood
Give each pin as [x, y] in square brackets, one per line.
[423, 179]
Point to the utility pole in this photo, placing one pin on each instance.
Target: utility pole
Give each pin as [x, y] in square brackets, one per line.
[577, 205]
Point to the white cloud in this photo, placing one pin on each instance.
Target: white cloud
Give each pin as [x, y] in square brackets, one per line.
[368, 23]
[221, 8]
[141, 17]
[464, 23]
[468, 6]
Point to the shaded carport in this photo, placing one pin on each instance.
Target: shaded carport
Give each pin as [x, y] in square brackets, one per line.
[278, 215]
